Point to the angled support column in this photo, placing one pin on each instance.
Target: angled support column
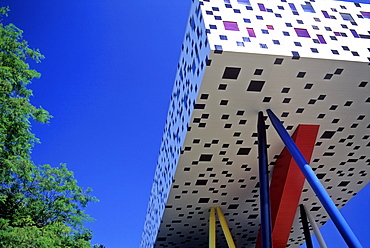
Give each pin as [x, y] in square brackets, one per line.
[341, 224]
[212, 228]
[316, 230]
[286, 186]
[264, 184]
[225, 228]
[306, 229]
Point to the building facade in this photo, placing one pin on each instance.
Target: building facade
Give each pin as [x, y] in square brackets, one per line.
[308, 61]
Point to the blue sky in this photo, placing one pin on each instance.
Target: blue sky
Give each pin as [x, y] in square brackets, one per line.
[107, 78]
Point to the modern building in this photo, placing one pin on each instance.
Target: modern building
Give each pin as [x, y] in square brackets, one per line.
[307, 61]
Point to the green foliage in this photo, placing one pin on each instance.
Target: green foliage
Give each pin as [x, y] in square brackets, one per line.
[40, 206]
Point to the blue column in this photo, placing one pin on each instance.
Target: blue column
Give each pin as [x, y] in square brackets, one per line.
[264, 184]
[341, 224]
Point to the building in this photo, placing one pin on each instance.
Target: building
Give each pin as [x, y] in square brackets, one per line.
[308, 61]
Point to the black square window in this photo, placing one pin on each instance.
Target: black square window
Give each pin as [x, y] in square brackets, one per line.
[228, 125]
[338, 71]
[205, 157]
[333, 107]
[284, 114]
[203, 200]
[308, 86]
[243, 151]
[222, 86]
[345, 48]
[266, 99]
[312, 101]
[278, 61]
[327, 135]
[363, 84]
[285, 90]
[240, 112]
[301, 74]
[300, 110]
[255, 86]
[328, 76]
[225, 117]
[224, 102]
[231, 73]
[204, 96]
[201, 182]
[287, 100]
[258, 72]
[348, 103]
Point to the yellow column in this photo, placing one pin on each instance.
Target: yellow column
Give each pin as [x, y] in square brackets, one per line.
[212, 228]
[225, 228]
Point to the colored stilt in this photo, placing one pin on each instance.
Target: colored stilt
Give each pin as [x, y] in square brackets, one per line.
[315, 229]
[212, 228]
[306, 229]
[225, 228]
[341, 224]
[264, 184]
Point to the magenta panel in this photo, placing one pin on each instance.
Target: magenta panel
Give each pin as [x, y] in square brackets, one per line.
[231, 26]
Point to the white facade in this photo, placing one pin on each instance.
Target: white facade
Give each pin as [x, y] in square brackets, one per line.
[225, 77]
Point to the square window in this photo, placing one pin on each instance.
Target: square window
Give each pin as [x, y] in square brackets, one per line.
[365, 14]
[325, 13]
[278, 15]
[276, 42]
[233, 26]
[270, 27]
[231, 73]
[328, 28]
[297, 44]
[244, 2]
[258, 72]
[308, 7]
[212, 26]
[259, 17]
[218, 18]
[255, 86]
[317, 19]
[247, 20]
[344, 26]
[285, 33]
[246, 39]
[238, 43]
[299, 21]
[278, 61]
[347, 17]
[281, 7]
[289, 25]
[314, 50]
[315, 27]
[354, 33]
[335, 52]
[236, 11]
[223, 37]
[321, 39]
[302, 32]
[261, 6]
[263, 45]
[345, 48]
[265, 31]
[251, 32]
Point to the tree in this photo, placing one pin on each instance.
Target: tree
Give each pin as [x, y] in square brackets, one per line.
[40, 206]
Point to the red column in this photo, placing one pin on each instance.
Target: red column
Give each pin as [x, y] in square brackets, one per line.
[286, 186]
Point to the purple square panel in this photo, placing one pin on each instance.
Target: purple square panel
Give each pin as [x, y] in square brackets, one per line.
[231, 26]
[302, 32]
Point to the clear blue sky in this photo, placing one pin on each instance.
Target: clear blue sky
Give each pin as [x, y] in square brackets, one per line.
[107, 80]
